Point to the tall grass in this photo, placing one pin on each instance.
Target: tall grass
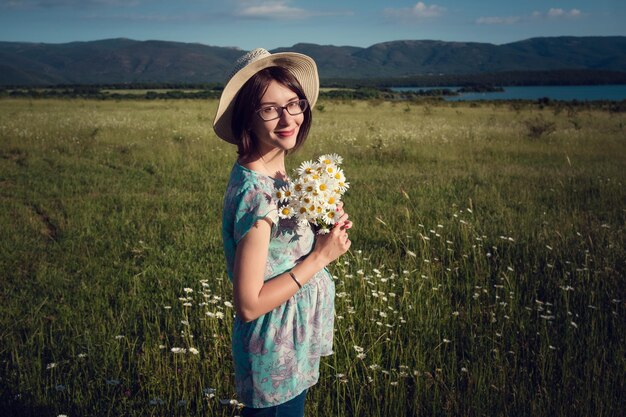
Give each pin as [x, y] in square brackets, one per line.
[486, 275]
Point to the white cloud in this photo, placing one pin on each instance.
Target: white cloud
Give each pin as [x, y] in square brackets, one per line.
[497, 20]
[553, 13]
[278, 10]
[420, 11]
[159, 18]
[563, 13]
[271, 10]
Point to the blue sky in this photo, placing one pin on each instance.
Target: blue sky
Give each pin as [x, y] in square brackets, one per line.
[272, 23]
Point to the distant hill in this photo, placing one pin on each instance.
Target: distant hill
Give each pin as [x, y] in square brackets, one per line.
[116, 61]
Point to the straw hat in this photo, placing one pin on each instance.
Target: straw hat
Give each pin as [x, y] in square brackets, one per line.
[302, 67]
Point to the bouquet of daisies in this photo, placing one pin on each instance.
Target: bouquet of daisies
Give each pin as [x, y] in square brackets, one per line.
[315, 193]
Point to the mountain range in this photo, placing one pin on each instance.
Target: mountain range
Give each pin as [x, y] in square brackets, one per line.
[115, 61]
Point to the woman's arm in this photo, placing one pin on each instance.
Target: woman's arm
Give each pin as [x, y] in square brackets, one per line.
[252, 296]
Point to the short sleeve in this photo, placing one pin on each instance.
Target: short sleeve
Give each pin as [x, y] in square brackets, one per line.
[255, 204]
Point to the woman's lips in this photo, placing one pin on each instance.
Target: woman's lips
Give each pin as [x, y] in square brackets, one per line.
[285, 133]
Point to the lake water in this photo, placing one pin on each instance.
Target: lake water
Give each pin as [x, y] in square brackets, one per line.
[566, 93]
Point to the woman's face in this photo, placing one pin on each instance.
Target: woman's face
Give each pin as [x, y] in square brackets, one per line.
[279, 133]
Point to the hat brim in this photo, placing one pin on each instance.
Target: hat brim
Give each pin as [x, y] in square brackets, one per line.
[302, 67]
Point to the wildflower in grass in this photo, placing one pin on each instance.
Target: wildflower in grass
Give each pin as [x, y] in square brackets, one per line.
[119, 337]
[188, 290]
[178, 350]
[51, 365]
[156, 401]
[226, 401]
[82, 355]
[194, 351]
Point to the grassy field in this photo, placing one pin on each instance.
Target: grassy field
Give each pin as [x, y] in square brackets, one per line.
[486, 275]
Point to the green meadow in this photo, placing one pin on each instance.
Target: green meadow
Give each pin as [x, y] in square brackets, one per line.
[485, 278]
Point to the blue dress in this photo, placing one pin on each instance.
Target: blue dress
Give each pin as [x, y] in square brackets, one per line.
[277, 355]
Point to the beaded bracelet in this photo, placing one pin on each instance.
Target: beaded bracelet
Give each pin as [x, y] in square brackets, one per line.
[295, 279]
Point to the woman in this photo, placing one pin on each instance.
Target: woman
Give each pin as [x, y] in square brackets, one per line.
[282, 291]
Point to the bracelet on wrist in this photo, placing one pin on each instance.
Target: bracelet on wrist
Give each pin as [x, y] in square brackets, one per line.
[295, 279]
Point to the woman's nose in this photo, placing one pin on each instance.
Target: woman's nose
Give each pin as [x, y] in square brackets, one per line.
[285, 117]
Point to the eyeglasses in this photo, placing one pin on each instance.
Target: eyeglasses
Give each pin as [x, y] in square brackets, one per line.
[294, 108]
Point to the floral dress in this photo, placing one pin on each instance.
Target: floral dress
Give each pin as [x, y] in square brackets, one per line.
[277, 355]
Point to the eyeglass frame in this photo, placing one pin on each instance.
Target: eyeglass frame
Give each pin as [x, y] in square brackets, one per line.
[303, 104]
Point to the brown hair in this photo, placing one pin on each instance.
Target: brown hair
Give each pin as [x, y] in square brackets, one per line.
[248, 100]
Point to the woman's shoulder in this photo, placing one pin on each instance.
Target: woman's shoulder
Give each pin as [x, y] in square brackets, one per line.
[244, 180]
[247, 187]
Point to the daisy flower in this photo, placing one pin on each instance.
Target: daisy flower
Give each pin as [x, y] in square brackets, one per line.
[285, 212]
[332, 158]
[306, 168]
